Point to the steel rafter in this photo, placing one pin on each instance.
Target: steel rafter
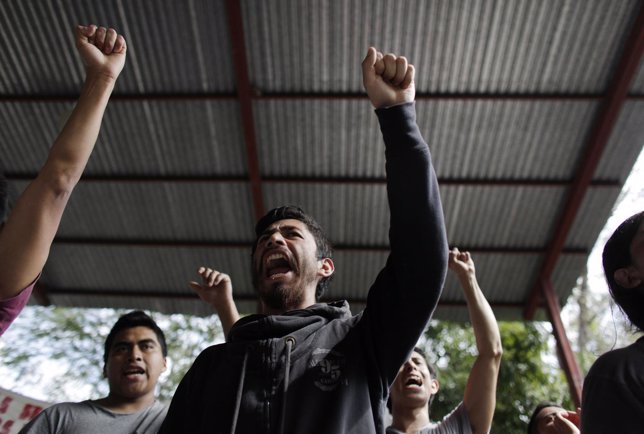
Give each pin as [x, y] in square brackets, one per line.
[598, 139]
[245, 99]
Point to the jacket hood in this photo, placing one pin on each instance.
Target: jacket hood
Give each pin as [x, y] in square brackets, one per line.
[259, 326]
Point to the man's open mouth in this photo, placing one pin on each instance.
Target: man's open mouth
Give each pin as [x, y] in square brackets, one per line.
[276, 264]
[414, 381]
[134, 372]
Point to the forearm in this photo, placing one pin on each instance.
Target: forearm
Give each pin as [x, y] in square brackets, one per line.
[484, 325]
[480, 392]
[228, 315]
[73, 146]
[27, 236]
[406, 292]
[417, 228]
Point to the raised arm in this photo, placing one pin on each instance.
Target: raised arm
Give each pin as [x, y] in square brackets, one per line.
[480, 392]
[216, 289]
[403, 297]
[26, 238]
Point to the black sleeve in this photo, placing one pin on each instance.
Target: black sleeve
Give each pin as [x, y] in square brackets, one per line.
[403, 297]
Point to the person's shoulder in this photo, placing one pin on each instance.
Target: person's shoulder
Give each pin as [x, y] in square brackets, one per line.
[619, 360]
[210, 355]
[67, 407]
[635, 349]
[159, 408]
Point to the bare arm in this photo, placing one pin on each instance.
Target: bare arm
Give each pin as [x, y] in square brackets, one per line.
[480, 392]
[216, 289]
[26, 238]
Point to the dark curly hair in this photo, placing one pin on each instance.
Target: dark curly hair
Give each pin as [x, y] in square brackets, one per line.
[324, 248]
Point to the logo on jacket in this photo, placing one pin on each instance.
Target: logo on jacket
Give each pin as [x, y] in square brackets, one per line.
[328, 369]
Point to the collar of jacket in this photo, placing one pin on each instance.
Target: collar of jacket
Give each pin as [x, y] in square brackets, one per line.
[258, 326]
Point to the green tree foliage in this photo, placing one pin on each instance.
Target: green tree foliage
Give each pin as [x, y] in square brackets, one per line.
[525, 377]
[61, 350]
[595, 324]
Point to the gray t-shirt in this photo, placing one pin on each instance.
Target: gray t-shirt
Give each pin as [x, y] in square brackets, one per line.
[86, 417]
[457, 422]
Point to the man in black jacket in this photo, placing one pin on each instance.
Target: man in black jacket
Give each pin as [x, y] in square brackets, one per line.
[302, 367]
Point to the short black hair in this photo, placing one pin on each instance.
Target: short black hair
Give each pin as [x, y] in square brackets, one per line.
[432, 371]
[616, 255]
[532, 424]
[4, 198]
[136, 318]
[324, 248]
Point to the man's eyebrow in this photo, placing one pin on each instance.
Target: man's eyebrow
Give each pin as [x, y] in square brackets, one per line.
[120, 343]
[270, 231]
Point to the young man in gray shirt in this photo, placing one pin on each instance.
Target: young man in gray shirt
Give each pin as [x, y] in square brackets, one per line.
[135, 357]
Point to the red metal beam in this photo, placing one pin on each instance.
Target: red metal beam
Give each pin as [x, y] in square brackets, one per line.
[476, 182]
[170, 243]
[604, 124]
[566, 356]
[245, 97]
[205, 96]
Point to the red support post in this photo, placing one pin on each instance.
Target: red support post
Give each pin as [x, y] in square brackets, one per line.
[566, 356]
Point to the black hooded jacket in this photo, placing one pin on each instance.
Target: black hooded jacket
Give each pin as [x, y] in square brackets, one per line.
[320, 369]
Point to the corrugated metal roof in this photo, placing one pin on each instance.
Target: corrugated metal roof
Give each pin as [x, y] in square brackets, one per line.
[180, 46]
[318, 138]
[638, 82]
[492, 139]
[625, 143]
[459, 46]
[513, 217]
[510, 94]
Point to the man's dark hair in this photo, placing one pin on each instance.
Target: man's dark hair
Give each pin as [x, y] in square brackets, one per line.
[4, 198]
[616, 255]
[532, 424]
[136, 318]
[433, 372]
[324, 248]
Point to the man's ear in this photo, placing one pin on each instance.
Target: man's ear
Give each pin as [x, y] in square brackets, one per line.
[628, 277]
[326, 267]
[435, 385]
[165, 365]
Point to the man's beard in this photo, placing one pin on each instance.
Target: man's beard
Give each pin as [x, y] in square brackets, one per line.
[286, 296]
[282, 298]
